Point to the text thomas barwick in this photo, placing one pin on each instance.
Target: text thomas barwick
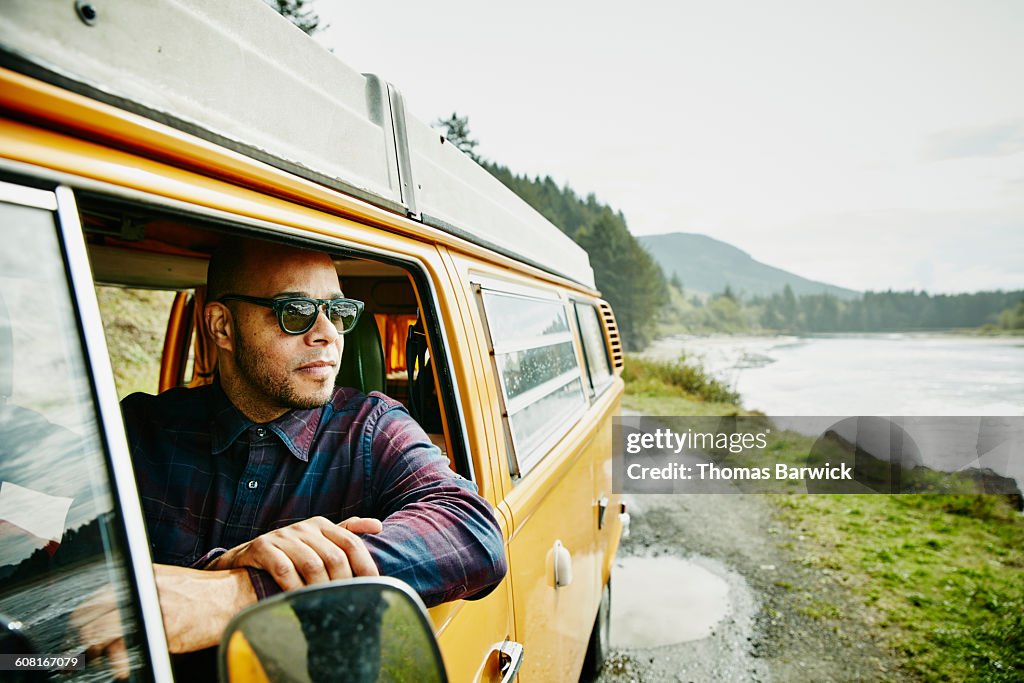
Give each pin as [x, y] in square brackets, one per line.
[710, 471]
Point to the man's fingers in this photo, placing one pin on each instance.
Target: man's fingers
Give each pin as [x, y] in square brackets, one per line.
[277, 562]
[362, 525]
[117, 656]
[335, 560]
[308, 561]
[311, 551]
[354, 548]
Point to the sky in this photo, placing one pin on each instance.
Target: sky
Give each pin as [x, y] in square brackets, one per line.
[871, 145]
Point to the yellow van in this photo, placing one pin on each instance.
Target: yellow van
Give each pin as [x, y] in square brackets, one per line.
[135, 137]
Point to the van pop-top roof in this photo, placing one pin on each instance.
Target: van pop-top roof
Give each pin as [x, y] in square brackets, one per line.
[236, 73]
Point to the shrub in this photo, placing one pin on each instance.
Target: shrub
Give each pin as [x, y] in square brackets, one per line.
[643, 376]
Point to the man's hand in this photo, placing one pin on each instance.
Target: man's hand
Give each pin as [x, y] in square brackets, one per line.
[314, 550]
[98, 623]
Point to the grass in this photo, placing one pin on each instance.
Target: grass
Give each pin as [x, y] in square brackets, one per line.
[680, 379]
[134, 323]
[939, 577]
[652, 404]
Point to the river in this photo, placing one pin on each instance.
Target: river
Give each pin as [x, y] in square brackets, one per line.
[864, 374]
[927, 378]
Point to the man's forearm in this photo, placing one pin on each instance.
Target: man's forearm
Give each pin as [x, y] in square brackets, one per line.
[197, 604]
[439, 536]
[447, 546]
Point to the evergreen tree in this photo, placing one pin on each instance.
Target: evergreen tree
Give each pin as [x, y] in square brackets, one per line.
[677, 283]
[300, 13]
[457, 132]
[627, 276]
[1013, 318]
[771, 317]
[788, 309]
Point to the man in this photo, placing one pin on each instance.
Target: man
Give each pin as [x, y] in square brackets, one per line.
[270, 478]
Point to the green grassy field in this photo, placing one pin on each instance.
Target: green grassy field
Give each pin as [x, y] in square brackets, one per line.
[134, 322]
[940, 576]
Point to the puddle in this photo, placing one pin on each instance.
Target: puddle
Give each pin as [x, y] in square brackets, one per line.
[660, 601]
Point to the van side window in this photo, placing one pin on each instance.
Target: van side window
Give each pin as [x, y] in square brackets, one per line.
[537, 369]
[63, 563]
[598, 368]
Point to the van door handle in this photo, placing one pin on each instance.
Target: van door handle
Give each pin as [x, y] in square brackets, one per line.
[510, 658]
[563, 565]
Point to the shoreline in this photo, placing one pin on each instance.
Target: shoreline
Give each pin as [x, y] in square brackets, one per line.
[957, 333]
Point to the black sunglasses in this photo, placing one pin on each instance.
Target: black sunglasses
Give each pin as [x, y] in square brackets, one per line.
[298, 314]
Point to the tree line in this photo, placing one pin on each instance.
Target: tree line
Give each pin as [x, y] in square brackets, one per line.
[628, 277]
[889, 311]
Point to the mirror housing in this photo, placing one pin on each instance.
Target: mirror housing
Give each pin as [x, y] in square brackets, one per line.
[361, 630]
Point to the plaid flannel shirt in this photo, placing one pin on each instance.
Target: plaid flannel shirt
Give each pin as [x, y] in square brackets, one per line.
[209, 479]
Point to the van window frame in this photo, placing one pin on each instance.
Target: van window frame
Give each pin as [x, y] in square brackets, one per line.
[60, 200]
[596, 390]
[522, 461]
[226, 223]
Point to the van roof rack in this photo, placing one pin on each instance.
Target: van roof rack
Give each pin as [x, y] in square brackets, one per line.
[239, 75]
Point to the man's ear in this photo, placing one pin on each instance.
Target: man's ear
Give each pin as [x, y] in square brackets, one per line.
[218, 324]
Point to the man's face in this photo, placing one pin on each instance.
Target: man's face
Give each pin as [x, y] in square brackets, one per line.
[280, 371]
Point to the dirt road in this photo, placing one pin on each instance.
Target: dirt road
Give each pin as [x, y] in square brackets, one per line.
[715, 583]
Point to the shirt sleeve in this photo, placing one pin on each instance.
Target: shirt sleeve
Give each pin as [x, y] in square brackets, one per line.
[439, 535]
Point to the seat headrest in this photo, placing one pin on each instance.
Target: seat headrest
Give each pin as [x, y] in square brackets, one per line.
[362, 362]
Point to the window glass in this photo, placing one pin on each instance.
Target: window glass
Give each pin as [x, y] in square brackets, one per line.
[515, 317]
[593, 345]
[538, 370]
[63, 571]
[530, 368]
[533, 423]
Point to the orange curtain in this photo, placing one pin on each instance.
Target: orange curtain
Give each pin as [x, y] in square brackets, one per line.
[394, 329]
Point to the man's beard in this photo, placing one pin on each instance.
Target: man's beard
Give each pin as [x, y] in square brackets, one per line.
[274, 383]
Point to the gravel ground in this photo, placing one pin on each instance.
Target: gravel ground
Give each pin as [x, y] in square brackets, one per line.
[785, 622]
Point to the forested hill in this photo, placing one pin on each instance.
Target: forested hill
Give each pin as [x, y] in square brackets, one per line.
[706, 265]
[628, 277]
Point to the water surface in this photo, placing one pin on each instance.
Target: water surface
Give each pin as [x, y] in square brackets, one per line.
[865, 374]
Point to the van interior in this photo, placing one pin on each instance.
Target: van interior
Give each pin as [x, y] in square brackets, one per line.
[394, 348]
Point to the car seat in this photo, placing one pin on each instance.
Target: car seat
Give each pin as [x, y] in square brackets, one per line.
[362, 362]
[423, 401]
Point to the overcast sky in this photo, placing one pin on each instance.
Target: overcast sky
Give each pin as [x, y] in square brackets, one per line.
[866, 144]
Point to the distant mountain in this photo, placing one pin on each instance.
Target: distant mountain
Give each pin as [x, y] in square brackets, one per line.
[704, 264]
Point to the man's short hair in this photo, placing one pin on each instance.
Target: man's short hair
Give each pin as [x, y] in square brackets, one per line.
[225, 268]
[226, 272]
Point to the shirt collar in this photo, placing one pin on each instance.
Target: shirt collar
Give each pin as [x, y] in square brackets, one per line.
[296, 428]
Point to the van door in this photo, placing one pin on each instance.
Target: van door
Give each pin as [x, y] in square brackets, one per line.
[549, 479]
[75, 575]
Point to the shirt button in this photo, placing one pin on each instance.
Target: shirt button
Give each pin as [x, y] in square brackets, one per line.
[253, 484]
[261, 432]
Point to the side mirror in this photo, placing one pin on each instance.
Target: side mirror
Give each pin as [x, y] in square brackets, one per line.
[362, 630]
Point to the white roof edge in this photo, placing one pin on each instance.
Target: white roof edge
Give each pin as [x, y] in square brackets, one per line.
[236, 73]
[453, 190]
